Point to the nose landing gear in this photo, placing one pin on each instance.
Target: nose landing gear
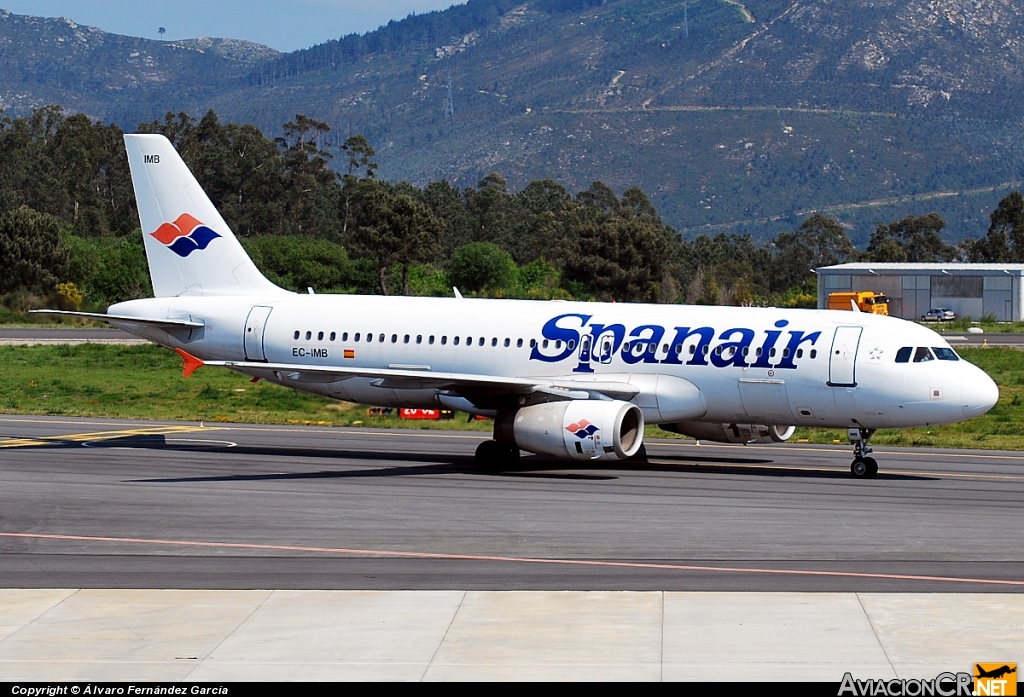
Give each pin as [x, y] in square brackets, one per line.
[864, 466]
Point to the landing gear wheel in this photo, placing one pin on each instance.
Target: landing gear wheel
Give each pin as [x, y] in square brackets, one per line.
[492, 456]
[858, 469]
[864, 468]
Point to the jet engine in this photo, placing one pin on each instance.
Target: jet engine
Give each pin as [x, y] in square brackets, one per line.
[731, 433]
[575, 429]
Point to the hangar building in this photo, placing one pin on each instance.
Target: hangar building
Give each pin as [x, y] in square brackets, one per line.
[969, 290]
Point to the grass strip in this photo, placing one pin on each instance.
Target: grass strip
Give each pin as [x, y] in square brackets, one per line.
[144, 382]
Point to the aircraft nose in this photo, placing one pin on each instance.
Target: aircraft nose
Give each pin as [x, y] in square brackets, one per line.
[978, 393]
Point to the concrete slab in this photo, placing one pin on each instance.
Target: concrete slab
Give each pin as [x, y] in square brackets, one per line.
[769, 636]
[116, 634]
[336, 635]
[21, 606]
[552, 636]
[455, 635]
[928, 633]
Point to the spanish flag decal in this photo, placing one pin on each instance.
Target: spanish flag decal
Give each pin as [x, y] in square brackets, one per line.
[350, 353]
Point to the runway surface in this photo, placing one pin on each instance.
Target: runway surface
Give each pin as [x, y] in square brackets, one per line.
[116, 504]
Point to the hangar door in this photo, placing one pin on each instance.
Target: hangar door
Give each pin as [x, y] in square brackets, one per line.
[842, 359]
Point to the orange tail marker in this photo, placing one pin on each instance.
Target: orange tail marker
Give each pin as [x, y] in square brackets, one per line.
[191, 362]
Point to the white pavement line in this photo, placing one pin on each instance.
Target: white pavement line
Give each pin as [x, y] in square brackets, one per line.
[72, 342]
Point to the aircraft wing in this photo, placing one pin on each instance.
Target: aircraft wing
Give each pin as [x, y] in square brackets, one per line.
[421, 377]
[125, 319]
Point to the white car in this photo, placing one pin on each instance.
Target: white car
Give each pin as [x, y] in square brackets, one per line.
[938, 315]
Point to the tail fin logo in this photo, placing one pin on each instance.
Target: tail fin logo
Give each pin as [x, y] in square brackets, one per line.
[185, 235]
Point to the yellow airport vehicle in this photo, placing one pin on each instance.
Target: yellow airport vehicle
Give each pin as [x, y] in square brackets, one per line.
[866, 301]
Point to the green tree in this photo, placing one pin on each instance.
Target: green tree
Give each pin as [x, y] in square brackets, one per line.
[913, 239]
[482, 266]
[32, 254]
[1004, 242]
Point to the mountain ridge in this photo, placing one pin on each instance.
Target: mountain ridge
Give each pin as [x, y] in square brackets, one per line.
[731, 116]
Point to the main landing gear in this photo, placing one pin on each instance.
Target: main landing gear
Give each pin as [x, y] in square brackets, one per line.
[492, 456]
[864, 466]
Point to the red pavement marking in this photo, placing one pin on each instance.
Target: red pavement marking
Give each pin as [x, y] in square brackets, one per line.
[524, 560]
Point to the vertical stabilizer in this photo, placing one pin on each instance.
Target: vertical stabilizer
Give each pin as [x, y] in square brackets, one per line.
[191, 250]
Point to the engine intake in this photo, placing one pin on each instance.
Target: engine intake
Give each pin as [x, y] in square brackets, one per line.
[576, 429]
[731, 433]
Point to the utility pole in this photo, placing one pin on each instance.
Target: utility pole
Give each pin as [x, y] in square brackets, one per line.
[449, 109]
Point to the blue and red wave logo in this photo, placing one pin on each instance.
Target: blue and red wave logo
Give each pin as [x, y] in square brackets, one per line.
[185, 235]
[582, 429]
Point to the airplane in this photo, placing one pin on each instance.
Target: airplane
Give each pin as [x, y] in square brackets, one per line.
[996, 673]
[571, 380]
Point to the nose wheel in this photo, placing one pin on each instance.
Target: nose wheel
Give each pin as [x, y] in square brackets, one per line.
[864, 466]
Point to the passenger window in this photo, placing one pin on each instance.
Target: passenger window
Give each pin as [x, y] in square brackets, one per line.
[494, 342]
[508, 342]
[785, 353]
[922, 354]
[481, 341]
[533, 343]
[444, 340]
[344, 336]
[625, 347]
[693, 349]
[545, 343]
[405, 339]
[419, 338]
[903, 355]
[369, 337]
[519, 343]
[356, 338]
[771, 354]
[320, 336]
[333, 336]
[757, 352]
[746, 350]
[431, 340]
[469, 341]
[814, 353]
[296, 335]
[394, 338]
[718, 350]
[945, 354]
[309, 335]
[382, 338]
[799, 353]
[558, 344]
[653, 348]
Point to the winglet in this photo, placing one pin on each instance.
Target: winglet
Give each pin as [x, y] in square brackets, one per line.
[191, 362]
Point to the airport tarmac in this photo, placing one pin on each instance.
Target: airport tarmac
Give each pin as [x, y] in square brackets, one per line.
[117, 537]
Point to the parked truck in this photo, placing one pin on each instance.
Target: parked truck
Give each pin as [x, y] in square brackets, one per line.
[865, 300]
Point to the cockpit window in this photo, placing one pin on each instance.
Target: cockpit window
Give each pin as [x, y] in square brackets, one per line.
[945, 354]
[922, 354]
[903, 355]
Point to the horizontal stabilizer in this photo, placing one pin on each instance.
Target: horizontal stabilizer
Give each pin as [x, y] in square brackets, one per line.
[118, 319]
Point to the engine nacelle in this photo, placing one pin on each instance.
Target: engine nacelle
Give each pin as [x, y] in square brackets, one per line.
[575, 429]
[731, 433]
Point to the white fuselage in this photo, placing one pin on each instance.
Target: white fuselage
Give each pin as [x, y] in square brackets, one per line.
[751, 365]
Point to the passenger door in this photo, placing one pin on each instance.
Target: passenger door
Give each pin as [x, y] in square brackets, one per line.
[842, 360]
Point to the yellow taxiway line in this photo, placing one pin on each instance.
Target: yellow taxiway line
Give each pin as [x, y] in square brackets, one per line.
[100, 435]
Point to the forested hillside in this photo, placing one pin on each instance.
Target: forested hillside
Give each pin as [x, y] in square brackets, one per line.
[732, 117]
[69, 232]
